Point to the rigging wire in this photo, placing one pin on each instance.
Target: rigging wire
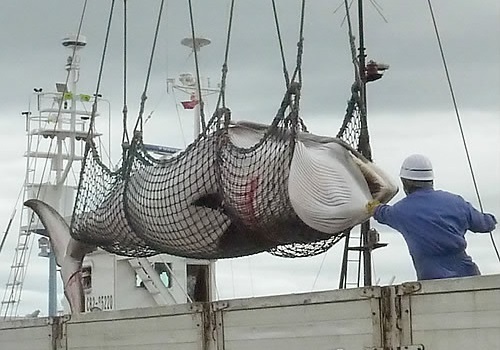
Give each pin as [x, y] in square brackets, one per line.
[139, 122]
[280, 42]
[6, 233]
[196, 64]
[300, 47]
[319, 270]
[459, 120]
[125, 137]
[179, 117]
[101, 68]
[222, 90]
[348, 8]
[379, 9]
[352, 44]
[94, 104]
[4, 238]
[374, 3]
[17, 276]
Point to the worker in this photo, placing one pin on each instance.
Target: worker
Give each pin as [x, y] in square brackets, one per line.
[433, 223]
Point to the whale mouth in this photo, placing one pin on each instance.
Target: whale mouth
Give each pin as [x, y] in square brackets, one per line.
[380, 186]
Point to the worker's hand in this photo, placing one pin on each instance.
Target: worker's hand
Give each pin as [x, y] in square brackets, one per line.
[371, 206]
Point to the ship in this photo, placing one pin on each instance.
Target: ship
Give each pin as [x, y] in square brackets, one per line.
[411, 315]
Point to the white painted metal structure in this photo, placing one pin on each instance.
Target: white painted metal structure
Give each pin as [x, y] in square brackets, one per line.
[439, 315]
[56, 129]
[112, 282]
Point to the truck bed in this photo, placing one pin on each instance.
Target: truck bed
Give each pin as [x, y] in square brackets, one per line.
[442, 314]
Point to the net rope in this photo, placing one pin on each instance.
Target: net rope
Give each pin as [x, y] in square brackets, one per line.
[221, 197]
[218, 198]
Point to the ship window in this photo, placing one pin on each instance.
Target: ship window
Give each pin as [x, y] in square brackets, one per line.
[87, 277]
[138, 281]
[163, 271]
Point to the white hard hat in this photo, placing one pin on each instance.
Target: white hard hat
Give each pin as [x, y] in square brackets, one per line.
[417, 167]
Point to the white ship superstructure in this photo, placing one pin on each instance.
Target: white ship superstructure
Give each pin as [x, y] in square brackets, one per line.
[57, 127]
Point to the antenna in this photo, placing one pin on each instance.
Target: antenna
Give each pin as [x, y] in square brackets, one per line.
[196, 43]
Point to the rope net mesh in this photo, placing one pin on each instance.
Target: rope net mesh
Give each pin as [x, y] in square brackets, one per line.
[224, 196]
[349, 132]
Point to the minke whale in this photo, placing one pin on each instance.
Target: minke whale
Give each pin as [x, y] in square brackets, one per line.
[317, 190]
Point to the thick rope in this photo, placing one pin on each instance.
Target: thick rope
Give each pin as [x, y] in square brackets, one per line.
[280, 41]
[294, 87]
[89, 142]
[352, 45]
[222, 93]
[125, 137]
[355, 98]
[294, 108]
[457, 113]
[300, 46]
[101, 68]
[139, 122]
[198, 83]
[301, 41]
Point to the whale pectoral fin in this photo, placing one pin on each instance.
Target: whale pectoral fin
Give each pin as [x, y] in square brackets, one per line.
[382, 188]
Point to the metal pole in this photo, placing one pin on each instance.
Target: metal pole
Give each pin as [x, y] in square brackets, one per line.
[345, 261]
[364, 143]
[7, 230]
[197, 113]
[364, 139]
[52, 284]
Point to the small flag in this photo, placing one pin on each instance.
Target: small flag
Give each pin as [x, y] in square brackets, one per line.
[191, 103]
[85, 98]
[68, 95]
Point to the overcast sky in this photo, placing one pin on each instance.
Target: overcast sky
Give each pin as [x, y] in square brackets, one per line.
[410, 109]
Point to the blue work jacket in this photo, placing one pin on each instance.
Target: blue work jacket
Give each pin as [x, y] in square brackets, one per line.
[433, 224]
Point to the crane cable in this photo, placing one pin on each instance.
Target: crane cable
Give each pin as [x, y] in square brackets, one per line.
[139, 122]
[462, 133]
[222, 89]
[197, 68]
[280, 42]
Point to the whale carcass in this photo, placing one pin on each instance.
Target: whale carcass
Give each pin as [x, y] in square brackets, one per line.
[223, 198]
[236, 191]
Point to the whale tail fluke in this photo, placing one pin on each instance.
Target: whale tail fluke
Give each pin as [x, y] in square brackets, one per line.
[69, 253]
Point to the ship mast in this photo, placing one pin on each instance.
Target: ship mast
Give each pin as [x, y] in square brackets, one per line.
[364, 141]
[55, 131]
[369, 237]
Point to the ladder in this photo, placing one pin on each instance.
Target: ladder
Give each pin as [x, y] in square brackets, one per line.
[12, 295]
[152, 282]
[14, 285]
[351, 261]
[357, 253]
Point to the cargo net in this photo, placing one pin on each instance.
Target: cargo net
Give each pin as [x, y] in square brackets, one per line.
[350, 133]
[224, 196]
